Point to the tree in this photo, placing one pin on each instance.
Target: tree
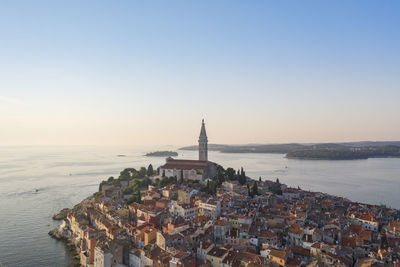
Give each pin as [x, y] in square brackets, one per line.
[277, 180]
[103, 183]
[142, 172]
[242, 177]
[213, 189]
[127, 191]
[259, 179]
[135, 198]
[230, 173]
[254, 189]
[157, 183]
[150, 170]
[206, 189]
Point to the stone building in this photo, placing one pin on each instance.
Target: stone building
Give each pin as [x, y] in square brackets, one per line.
[199, 170]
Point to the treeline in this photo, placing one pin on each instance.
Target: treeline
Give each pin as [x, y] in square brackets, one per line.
[222, 175]
[346, 154]
[351, 150]
[131, 181]
[229, 174]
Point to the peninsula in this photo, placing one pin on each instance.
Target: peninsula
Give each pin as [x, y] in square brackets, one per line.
[138, 221]
[190, 213]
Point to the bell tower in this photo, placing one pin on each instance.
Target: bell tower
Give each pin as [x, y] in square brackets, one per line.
[203, 143]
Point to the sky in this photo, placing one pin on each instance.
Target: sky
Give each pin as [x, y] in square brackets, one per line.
[147, 72]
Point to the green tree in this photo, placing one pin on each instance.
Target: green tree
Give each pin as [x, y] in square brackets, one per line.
[142, 172]
[127, 191]
[101, 185]
[206, 189]
[242, 177]
[213, 189]
[254, 189]
[150, 170]
[230, 173]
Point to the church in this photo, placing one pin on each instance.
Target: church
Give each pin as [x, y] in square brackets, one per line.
[199, 170]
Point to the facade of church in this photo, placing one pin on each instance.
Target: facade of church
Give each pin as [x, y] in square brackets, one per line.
[199, 170]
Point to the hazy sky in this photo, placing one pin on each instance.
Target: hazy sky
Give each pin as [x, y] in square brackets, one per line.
[147, 72]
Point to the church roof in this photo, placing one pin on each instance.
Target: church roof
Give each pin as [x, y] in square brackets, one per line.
[183, 164]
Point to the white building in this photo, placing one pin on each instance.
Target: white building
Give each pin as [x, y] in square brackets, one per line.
[186, 211]
[210, 208]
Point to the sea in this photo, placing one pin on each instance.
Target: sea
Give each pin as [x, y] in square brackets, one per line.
[37, 181]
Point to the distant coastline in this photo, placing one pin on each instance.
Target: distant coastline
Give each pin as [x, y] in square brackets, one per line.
[162, 154]
[317, 151]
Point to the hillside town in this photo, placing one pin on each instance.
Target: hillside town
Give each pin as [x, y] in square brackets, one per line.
[196, 213]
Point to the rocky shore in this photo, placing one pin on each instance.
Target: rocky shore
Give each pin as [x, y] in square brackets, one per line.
[64, 233]
[62, 214]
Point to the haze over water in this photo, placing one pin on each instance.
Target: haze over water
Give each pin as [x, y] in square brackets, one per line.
[66, 175]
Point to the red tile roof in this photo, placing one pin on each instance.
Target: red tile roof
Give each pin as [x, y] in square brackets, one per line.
[183, 164]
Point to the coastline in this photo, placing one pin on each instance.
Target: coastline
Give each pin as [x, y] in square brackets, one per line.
[65, 234]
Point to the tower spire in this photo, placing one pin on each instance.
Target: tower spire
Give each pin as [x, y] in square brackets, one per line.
[203, 143]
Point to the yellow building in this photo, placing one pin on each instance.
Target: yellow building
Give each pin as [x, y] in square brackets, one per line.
[216, 256]
[149, 235]
[277, 257]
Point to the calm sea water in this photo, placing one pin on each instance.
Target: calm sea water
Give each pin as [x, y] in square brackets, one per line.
[64, 176]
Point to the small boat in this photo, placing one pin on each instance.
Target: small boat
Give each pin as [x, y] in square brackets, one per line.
[36, 190]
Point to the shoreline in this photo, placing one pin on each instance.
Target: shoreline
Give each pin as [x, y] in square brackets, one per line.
[68, 233]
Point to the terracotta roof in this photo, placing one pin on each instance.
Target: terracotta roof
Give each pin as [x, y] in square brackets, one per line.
[296, 229]
[278, 253]
[217, 252]
[183, 164]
